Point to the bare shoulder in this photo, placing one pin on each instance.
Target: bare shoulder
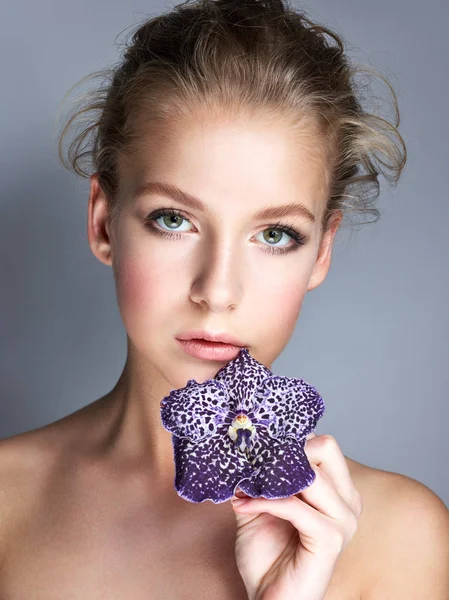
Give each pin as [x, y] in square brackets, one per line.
[23, 458]
[404, 534]
[28, 459]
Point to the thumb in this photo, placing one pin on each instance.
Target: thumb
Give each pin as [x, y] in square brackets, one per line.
[242, 518]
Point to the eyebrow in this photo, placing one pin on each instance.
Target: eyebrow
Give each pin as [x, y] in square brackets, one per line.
[172, 191]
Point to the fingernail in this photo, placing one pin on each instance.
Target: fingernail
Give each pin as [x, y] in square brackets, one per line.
[239, 501]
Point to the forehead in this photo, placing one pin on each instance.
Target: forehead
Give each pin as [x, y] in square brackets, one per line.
[235, 162]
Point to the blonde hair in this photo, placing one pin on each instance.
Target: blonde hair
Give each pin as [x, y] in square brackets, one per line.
[257, 56]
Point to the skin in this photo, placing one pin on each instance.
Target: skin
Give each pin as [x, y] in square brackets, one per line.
[288, 548]
[91, 497]
[212, 277]
[220, 269]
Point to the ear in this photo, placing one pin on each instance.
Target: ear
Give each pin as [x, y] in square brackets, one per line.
[323, 260]
[98, 232]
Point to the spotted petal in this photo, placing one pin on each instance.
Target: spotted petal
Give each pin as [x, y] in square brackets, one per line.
[242, 376]
[244, 428]
[284, 470]
[295, 405]
[196, 410]
[209, 469]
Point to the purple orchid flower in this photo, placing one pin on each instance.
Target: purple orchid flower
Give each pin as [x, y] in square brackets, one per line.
[244, 428]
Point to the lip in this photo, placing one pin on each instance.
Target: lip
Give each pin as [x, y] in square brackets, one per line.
[210, 346]
[209, 350]
[200, 334]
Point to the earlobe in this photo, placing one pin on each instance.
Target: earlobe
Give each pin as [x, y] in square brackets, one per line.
[97, 222]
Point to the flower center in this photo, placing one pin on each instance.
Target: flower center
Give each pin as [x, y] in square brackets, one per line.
[242, 432]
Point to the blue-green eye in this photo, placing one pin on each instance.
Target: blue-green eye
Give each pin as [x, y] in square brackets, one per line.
[172, 218]
[272, 236]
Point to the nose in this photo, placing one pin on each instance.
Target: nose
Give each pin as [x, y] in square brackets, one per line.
[217, 285]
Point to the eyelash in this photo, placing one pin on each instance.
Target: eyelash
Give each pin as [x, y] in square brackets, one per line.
[298, 238]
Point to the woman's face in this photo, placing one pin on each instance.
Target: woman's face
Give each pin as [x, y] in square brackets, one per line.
[223, 269]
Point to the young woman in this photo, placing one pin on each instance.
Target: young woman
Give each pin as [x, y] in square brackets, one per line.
[228, 146]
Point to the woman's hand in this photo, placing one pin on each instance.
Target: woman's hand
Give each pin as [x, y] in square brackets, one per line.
[287, 549]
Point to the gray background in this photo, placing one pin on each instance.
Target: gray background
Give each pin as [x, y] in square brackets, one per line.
[373, 338]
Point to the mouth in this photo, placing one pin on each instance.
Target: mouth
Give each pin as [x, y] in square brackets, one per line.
[209, 350]
[206, 336]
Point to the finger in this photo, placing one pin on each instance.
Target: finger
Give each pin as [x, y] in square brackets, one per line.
[239, 494]
[310, 523]
[321, 495]
[324, 497]
[324, 452]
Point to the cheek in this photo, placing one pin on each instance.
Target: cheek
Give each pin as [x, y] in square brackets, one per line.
[289, 304]
[280, 287]
[279, 300]
[145, 286]
[284, 304]
[134, 281]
